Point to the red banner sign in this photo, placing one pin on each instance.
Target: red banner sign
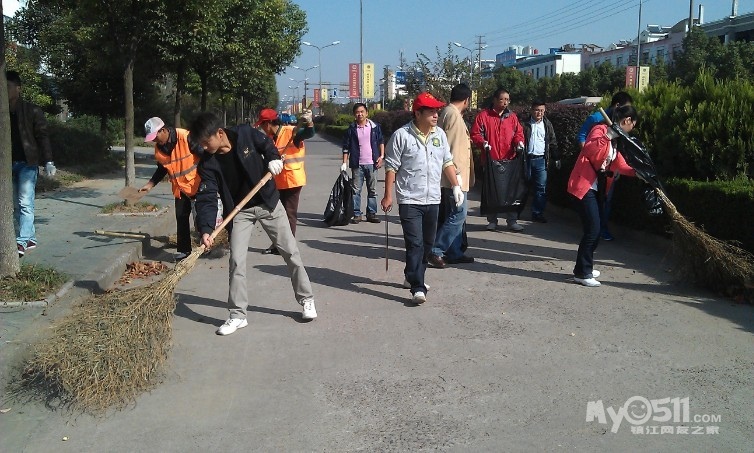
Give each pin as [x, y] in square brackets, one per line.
[353, 80]
[631, 76]
[316, 97]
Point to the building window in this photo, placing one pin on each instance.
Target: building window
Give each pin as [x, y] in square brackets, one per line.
[660, 55]
[537, 73]
[552, 69]
[619, 61]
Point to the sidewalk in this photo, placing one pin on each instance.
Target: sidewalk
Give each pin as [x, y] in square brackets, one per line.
[65, 222]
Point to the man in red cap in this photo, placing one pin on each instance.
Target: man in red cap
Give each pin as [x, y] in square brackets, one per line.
[416, 157]
[289, 140]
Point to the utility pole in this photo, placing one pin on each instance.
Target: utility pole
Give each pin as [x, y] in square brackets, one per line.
[480, 45]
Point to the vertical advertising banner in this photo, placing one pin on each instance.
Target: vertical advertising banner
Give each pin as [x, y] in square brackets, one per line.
[316, 97]
[643, 77]
[324, 95]
[368, 89]
[353, 80]
[630, 76]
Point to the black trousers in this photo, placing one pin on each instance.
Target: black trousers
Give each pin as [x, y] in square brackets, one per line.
[183, 223]
[289, 199]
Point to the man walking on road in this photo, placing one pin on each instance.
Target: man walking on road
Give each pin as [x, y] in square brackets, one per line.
[447, 248]
[234, 161]
[290, 141]
[30, 146]
[499, 134]
[177, 158]
[363, 152]
[417, 155]
[541, 145]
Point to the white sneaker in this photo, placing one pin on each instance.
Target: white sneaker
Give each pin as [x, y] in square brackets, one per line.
[407, 285]
[596, 273]
[419, 298]
[492, 226]
[590, 282]
[309, 311]
[231, 325]
[515, 227]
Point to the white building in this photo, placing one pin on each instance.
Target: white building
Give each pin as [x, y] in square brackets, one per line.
[551, 64]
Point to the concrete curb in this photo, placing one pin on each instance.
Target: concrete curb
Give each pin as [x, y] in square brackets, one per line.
[40, 303]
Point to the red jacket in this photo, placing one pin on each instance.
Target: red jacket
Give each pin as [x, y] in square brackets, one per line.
[503, 133]
[592, 156]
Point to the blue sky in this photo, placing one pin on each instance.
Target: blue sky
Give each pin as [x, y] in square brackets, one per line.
[419, 26]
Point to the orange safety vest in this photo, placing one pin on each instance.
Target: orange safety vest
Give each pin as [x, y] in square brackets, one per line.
[181, 165]
[293, 174]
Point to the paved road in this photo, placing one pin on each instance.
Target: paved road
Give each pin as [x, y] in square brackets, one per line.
[504, 356]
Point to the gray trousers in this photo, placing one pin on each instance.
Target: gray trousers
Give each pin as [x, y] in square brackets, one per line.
[275, 224]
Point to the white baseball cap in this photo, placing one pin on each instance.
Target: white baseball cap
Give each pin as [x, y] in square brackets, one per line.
[152, 126]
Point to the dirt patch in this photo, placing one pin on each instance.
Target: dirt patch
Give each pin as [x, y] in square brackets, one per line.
[123, 208]
[140, 270]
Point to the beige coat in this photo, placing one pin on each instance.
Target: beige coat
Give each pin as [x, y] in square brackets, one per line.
[451, 121]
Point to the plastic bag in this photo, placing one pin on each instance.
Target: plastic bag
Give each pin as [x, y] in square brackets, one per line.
[504, 187]
[339, 209]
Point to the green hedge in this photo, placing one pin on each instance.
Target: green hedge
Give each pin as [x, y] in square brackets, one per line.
[74, 143]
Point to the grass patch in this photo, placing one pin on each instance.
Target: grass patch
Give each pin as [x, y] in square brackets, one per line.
[122, 207]
[77, 173]
[33, 282]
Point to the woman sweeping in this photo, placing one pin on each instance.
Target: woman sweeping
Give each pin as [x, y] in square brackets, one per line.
[590, 180]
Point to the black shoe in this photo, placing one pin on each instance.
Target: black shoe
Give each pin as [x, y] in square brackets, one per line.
[356, 219]
[463, 259]
[436, 261]
[272, 250]
[538, 218]
[372, 218]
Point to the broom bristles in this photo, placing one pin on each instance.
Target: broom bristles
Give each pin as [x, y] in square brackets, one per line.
[110, 349]
[704, 259]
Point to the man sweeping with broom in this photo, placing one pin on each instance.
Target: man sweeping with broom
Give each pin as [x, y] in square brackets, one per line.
[235, 160]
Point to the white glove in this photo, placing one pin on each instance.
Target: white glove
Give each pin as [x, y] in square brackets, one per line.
[459, 179]
[520, 147]
[50, 169]
[343, 167]
[275, 166]
[557, 164]
[306, 115]
[458, 195]
[487, 147]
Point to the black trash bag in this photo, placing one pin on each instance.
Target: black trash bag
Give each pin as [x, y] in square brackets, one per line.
[339, 209]
[504, 188]
[652, 201]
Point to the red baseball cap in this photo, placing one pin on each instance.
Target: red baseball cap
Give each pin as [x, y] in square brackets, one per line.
[426, 100]
[266, 115]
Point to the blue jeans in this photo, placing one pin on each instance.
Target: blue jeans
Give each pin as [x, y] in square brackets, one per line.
[590, 211]
[360, 174]
[419, 222]
[448, 238]
[24, 184]
[538, 177]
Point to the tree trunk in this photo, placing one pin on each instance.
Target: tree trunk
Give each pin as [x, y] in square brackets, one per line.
[203, 78]
[128, 88]
[9, 263]
[180, 81]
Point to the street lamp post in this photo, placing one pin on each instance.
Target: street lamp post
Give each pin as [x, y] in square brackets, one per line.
[303, 102]
[471, 62]
[305, 77]
[319, 64]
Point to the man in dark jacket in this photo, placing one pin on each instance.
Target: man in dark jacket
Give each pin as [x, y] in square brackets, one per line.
[234, 161]
[30, 147]
[363, 152]
[541, 145]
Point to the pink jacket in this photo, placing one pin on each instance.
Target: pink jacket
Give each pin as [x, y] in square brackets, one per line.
[591, 158]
